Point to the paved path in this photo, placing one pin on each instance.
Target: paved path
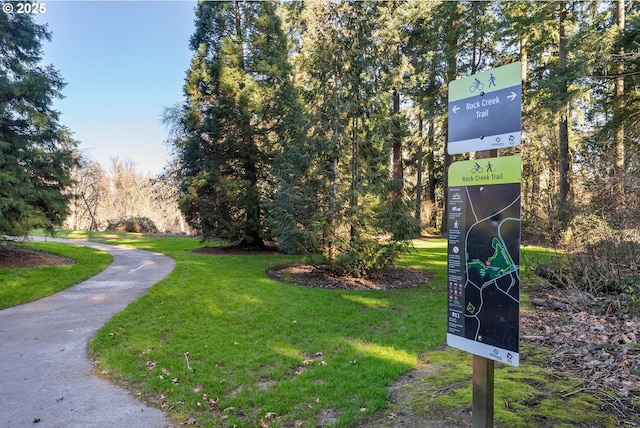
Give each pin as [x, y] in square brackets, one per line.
[46, 379]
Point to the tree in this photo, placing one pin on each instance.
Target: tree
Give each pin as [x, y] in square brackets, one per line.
[337, 183]
[89, 191]
[119, 194]
[607, 166]
[426, 90]
[36, 152]
[239, 96]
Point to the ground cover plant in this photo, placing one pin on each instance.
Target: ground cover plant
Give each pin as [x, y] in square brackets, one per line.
[25, 284]
[439, 394]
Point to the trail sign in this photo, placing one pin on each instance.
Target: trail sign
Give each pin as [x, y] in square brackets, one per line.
[484, 257]
[485, 110]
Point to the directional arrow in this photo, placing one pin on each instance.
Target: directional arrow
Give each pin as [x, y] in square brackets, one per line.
[512, 96]
[455, 109]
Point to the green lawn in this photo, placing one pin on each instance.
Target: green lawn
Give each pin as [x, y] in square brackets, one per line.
[262, 350]
[220, 343]
[21, 285]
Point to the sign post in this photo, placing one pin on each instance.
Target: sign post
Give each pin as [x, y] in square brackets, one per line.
[483, 206]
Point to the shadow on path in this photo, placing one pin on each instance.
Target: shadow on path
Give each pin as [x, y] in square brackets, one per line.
[45, 374]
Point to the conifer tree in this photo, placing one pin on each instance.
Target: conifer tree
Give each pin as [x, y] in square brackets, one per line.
[36, 152]
[340, 200]
[239, 98]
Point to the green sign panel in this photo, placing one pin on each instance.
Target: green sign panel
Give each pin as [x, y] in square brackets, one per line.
[484, 257]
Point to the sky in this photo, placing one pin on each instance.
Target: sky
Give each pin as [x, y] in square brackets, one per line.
[124, 62]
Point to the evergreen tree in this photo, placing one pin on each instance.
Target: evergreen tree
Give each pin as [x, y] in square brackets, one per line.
[339, 190]
[239, 98]
[36, 152]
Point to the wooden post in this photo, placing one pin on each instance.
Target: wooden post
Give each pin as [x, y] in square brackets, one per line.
[482, 409]
[483, 387]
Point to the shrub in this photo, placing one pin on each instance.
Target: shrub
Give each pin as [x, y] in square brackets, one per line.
[132, 224]
[598, 260]
[365, 256]
[585, 230]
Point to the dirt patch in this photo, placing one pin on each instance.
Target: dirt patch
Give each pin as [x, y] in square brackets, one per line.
[395, 277]
[12, 256]
[402, 397]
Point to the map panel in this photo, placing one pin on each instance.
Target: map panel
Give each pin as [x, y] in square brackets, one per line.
[484, 257]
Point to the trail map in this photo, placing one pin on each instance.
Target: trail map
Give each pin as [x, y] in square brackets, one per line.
[484, 257]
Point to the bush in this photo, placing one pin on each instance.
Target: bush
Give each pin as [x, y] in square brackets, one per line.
[585, 230]
[365, 256]
[132, 224]
[598, 260]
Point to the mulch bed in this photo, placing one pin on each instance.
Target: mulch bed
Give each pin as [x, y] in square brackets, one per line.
[391, 278]
[12, 256]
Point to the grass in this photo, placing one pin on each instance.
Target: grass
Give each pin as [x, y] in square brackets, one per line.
[220, 342]
[21, 285]
[262, 350]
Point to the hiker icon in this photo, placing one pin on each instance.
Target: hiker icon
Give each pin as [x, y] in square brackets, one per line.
[492, 80]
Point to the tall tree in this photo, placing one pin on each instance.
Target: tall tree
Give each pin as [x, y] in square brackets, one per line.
[427, 91]
[452, 40]
[346, 154]
[36, 152]
[619, 94]
[238, 97]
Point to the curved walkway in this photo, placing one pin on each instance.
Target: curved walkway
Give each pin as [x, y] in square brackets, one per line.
[46, 378]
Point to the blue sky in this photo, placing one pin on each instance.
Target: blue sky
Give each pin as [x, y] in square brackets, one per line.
[123, 62]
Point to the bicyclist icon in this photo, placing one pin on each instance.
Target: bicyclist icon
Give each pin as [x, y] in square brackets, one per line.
[477, 169]
[476, 86]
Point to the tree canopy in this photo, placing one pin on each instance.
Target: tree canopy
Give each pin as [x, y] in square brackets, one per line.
[36, 152]
[237, 113]
[323, 125]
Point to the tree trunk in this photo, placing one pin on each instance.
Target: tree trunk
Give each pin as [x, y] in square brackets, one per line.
[431, 170]
[619, 98]
[355, 148]
[452, 60]
[419, 161]
[398, 174]
[563, 116]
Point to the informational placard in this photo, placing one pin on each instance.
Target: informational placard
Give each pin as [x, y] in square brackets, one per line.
[484, 257]
[485, 110]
